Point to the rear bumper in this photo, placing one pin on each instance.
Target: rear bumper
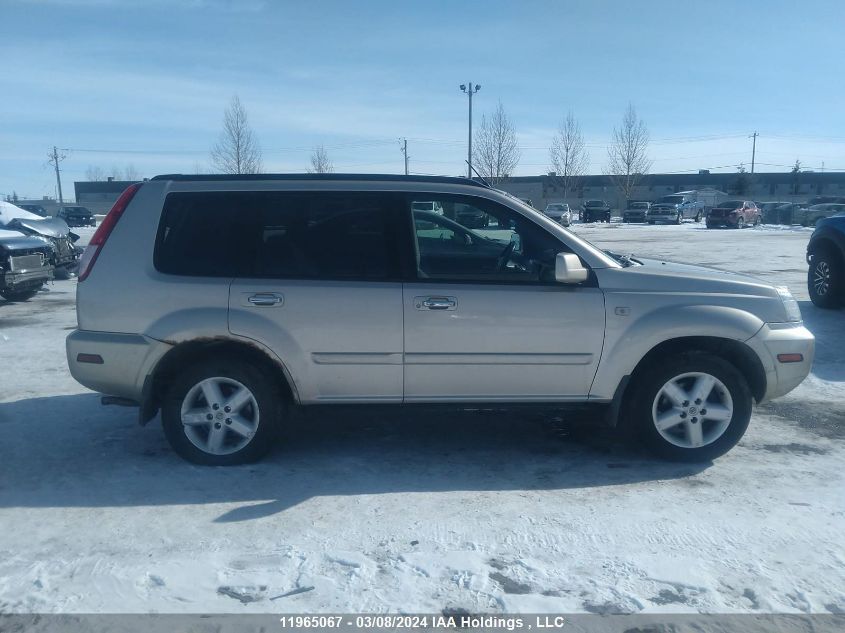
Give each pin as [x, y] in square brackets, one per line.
[781, 338]
[634, 217]
[126, 360]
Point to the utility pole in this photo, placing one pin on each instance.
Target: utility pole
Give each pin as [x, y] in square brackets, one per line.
[753, 150]
[470, 89]
[404, 150]
[55, 159]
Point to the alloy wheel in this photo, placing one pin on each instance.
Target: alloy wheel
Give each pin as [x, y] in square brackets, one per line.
[219, 415]
[821, 278]
[692, 410]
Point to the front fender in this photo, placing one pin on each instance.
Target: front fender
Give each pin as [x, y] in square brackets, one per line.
[627, 341]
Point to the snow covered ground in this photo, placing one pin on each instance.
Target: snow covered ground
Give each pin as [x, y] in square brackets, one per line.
[384, 511]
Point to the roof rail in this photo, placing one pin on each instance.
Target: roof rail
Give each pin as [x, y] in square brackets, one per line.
[455, 180]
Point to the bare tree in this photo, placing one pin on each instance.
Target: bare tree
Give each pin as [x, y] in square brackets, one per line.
[94, 173]
[116, 173]
[627, 155]
[568, 154]
[237, 151]
[320, 162]
[495, 150]
[131, 173]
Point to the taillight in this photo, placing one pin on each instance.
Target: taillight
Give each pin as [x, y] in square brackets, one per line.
[86, 262]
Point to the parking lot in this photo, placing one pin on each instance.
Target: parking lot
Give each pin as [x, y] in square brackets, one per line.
[373, 510]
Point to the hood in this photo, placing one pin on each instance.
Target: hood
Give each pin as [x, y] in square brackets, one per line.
[14, 241]
[9, 212]
[49, 227]
[664, 205]
[657, 275]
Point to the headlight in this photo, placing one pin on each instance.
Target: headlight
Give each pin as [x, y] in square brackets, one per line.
[793, 312]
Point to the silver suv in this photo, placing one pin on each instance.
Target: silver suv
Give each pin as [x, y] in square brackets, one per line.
[222, 301]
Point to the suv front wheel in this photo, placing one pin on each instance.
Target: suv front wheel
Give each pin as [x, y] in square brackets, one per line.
[221, 413]
[825, 278]
[692, 408]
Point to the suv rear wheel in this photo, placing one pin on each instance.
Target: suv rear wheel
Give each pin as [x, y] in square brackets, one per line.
[825, 278]
[692, 408]
[221, 413]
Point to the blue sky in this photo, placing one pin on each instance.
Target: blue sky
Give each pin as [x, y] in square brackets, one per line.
[146, 82]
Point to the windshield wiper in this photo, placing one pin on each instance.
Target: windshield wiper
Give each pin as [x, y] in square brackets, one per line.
[625, 260]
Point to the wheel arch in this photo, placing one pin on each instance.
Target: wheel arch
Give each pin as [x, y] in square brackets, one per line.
[735, 352]
[827, 243]
[194, 351]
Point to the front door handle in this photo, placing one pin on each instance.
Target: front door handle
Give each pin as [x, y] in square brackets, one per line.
[265, 299]
[435, 303]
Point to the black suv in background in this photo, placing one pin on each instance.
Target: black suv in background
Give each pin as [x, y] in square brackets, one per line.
[595, 211]
[76, 216]
[826, 257]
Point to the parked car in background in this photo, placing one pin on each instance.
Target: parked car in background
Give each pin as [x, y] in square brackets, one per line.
[37, 209]
[76, 216]
[826, 257]
[811, 216]
[329, 291]
[559, 212]
[24, 265]
[429, 207]
[735, 214]
[636, 211]
[596, 211]
[777, 212]
[824, 200]
[65, 254]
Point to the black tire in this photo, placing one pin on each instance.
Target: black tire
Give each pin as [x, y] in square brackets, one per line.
[740, 222]
[826, 266]
[678, 218]
[710, 226]
[651, 221]
[19, 295]
[698, 217]
[270, 414]
[652, 379]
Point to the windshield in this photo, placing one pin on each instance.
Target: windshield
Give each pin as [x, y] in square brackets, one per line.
[671, 200]
[730, 204]
[639, 205]
[594, 203]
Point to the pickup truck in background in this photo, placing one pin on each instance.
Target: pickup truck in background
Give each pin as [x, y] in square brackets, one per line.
[684, 205]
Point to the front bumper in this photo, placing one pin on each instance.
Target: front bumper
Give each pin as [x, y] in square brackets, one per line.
[125, 361]
[27, 278]
[668, 216]
[729, 222]
[774, 339]
[633, 217]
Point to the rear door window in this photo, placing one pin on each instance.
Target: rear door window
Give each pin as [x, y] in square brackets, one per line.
[288, 235]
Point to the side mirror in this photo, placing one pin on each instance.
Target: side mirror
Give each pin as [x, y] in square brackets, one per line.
[569, 269]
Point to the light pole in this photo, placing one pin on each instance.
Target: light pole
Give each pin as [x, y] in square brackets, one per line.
[470, 89]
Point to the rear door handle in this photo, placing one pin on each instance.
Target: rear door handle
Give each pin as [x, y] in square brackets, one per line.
[435, 303]
[265, 299]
